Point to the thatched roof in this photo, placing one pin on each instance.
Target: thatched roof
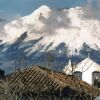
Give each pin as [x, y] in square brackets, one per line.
[74, 83]
[39, 79]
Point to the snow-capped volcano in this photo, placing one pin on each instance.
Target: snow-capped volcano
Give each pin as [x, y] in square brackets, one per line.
[67, 25]
[61, 31]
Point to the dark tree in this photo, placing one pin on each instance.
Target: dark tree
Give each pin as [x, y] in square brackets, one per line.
[2, 74]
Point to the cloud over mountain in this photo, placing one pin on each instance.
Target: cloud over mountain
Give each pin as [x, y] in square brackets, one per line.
[61, 32]
[66, 25]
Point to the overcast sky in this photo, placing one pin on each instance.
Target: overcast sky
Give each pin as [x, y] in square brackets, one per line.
[10, 9]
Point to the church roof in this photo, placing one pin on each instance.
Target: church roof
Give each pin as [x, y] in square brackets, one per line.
[84, 65]
[88, 63]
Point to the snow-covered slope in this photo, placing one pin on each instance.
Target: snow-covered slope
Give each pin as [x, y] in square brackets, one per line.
[60, 31]
[67, 25]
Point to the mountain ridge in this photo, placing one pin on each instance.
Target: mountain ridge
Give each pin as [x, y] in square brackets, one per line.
[61, 33]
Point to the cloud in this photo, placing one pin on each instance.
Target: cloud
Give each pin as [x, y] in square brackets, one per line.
[92, 9]
[1, 20]
[96, 4]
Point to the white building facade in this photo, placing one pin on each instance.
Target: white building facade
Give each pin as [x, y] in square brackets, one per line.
[87, 70]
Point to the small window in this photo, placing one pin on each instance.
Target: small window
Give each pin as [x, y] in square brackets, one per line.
[78, 74]
[96, 79]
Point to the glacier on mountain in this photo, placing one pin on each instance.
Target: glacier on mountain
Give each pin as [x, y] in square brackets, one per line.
[61, 32]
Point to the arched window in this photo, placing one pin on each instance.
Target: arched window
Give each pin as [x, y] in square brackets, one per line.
[78, 74]
[96, 79]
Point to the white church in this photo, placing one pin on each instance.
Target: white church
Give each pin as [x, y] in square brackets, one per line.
[87, 70]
